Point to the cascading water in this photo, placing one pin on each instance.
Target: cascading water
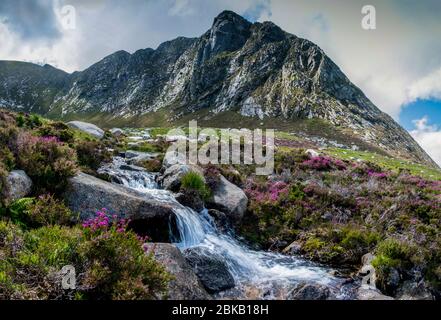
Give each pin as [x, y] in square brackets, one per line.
[267, 272]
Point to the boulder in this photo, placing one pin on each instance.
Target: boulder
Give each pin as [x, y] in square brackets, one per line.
[89, 128]
[210, 268]
[413, 290]
[312, 153]
[20, 185]
[309, 291]
[220, 219]
[171, 178]
[229, 199]
[294, 248]
[117, 132]
[86, 194]
[185, 285]
[190, 198]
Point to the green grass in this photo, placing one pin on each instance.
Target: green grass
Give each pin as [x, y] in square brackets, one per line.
[389, 163]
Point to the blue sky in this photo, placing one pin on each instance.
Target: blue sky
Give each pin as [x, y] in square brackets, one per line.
[397, 65]
[419, 109]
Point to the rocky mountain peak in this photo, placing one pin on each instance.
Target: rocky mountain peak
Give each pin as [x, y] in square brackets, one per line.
[255, 71]
[229, 32]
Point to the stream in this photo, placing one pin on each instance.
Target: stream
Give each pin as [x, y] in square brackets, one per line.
[257, 274]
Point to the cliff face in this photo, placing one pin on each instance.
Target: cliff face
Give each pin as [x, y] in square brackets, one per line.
[254, 69]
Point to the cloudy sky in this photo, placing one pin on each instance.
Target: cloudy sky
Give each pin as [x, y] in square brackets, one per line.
[397, 65]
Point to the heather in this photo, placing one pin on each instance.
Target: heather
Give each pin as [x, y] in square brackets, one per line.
[110, 261]
[334, 211]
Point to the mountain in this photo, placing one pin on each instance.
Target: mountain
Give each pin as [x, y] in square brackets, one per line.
[237, 72]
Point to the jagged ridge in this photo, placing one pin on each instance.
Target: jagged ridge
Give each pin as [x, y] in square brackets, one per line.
[255, 69]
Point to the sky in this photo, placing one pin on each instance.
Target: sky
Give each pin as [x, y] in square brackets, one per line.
[397, 64]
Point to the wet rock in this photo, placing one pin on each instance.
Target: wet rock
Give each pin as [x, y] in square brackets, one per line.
[89, 128]
[294, 248]
[210, 268]
[86, 194]
[20, 185]
[221, 220]
[309, 291]
[390, 282]
[190, 199]
[229, 199]
[185, 285]
[412, 290]
[130, 167]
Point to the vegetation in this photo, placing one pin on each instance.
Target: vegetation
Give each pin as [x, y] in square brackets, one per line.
[337, 210]
[194, 182]
[110, 262]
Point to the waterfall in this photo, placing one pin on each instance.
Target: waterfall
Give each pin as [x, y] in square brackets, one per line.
[197, 229]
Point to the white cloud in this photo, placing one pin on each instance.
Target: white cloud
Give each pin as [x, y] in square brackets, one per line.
[429, 137]
[428, 87]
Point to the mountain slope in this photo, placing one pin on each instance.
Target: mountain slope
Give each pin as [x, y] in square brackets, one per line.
[255, 70]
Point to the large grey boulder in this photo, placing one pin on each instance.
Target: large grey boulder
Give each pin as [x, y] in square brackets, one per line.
[309, 291]
[210, 268]
[185, 285]
[89, 128]
[20, 185]
[86, 194]
[229, 199]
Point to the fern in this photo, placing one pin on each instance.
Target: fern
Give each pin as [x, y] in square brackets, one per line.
[17, 209]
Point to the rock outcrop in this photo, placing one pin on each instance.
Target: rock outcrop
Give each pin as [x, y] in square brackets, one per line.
[309, 291]
[229, 199]
[210, 268]
[185, 285]
[86, 194]
[20, 185]
[89, 128]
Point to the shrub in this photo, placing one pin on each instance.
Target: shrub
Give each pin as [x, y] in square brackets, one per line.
[46, 210]
[151, 165]
[118, 266]
[92, 153]
[4, 185]
[46, 160]
[7, 158]
[110, 262]
[57, 129]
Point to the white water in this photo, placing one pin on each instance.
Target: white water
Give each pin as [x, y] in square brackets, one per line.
[270, 274]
